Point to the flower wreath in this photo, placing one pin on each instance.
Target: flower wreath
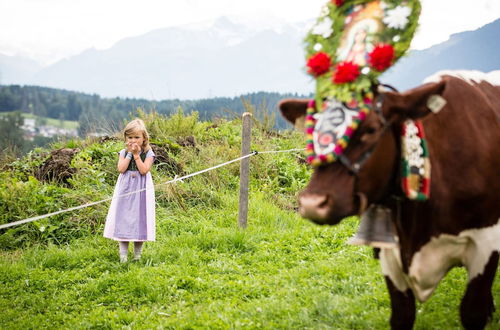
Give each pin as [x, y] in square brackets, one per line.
[350, 45]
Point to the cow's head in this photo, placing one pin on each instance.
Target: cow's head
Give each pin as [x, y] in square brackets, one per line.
[369, 167]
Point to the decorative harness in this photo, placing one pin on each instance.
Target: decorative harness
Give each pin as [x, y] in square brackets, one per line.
[355, 167]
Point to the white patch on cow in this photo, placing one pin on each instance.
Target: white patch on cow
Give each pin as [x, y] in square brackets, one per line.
[471, 248]
[470, 76]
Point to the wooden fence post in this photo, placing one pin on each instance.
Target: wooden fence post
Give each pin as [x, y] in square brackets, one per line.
[244, 169]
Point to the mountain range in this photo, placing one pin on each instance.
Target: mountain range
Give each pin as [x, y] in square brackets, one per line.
[226, 57]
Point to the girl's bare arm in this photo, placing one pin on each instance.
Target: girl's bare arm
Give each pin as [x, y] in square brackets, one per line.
[123, 163]
[145, 166]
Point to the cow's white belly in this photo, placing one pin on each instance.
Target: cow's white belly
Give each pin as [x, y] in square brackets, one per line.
[471, 248]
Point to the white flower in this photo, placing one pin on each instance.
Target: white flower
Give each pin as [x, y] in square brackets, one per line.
[398, 17]
[396, 38]
[323, 28]
[318, 47]
[325, 11]
[365, 70]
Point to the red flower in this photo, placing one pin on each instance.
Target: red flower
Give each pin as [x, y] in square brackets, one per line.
[318, 64]
[338, 3]
[381, 57]
[345, 72]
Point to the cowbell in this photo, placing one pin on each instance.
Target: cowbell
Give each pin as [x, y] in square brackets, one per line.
[376, 228]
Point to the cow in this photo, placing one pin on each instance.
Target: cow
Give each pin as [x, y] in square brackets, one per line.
[458, 225]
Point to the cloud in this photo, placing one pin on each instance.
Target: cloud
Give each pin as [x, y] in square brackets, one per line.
[50, 29]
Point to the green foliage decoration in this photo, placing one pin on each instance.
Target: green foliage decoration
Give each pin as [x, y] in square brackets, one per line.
[331, 32]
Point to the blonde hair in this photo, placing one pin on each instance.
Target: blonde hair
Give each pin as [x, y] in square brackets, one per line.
[137, 126]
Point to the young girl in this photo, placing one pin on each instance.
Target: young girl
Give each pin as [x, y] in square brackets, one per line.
[131, 218]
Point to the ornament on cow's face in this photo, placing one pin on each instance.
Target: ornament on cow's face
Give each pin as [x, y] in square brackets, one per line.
[351, 44]
[329, 130]
[331, 124]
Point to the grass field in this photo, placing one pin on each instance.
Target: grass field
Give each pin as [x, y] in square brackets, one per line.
[203, 272]
[66, 124]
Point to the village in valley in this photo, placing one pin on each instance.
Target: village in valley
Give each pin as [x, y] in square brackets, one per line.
[31, 129]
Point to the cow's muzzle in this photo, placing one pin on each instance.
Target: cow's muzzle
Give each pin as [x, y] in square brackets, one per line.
[316, 207]
[320, 208]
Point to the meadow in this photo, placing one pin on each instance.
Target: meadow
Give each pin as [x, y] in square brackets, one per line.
[203, 272]
[67, 124]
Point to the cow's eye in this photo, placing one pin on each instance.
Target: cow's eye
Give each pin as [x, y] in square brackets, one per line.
[370, 130]
[368, 134]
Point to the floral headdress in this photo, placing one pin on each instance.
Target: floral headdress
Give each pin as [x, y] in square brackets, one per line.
[351, 44]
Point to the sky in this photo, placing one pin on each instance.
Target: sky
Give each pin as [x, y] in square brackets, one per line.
[49, 30]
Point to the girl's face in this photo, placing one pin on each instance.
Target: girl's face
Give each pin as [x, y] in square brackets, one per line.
[135, 137]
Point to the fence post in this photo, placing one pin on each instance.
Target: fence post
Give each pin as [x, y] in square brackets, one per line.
[244, 169]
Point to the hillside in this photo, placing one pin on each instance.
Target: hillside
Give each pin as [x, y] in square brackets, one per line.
[203, 271]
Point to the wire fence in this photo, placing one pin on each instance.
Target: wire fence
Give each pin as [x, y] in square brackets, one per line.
[39, 217]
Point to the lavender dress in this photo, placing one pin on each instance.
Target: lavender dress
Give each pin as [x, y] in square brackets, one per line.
[132, 217]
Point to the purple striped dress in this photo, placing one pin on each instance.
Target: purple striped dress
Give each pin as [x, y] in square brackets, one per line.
[132, 217]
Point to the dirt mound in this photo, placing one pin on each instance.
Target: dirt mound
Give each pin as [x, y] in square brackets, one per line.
[106, 138]
[165, 163]
[188, 141]
[58, 166]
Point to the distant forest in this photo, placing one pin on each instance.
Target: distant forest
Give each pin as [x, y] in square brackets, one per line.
[104, 114]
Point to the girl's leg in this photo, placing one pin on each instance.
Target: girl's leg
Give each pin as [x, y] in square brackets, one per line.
[137, 250]
[123, 251]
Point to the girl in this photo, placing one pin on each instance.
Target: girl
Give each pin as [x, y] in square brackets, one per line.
[131, 215]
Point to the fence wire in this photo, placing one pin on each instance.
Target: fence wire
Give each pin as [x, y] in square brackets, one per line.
[39, 217]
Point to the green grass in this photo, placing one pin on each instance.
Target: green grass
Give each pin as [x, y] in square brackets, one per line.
[204, 272]
[66, 124]
[282, 272]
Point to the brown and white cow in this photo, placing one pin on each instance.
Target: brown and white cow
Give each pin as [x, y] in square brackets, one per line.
[458, 225]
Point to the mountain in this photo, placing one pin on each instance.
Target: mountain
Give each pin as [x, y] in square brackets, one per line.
[471, 50]
[17, 70]
[223, 58]
[228, 57]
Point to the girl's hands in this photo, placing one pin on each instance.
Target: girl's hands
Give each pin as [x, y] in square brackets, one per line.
[129, 146]
[133, 148]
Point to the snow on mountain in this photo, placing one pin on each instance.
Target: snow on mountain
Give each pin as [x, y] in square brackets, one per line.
[218, 58]
[229, 57]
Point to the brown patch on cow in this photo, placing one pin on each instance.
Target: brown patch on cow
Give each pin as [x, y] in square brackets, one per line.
[164, 162]
[58, 166]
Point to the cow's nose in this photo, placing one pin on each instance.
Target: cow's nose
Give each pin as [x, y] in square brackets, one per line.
[314, 206]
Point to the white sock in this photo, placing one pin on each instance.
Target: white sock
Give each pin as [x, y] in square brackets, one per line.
[138, 249]
[123, 251]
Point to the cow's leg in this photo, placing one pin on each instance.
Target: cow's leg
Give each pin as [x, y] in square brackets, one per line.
[403, 307]
[477, 304]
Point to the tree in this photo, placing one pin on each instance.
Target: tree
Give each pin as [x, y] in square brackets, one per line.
[11, 133]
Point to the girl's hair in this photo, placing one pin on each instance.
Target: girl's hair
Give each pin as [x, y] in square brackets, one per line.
[137, 126]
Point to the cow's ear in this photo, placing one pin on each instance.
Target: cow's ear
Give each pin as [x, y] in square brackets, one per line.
[294, 110]
[415, 103]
